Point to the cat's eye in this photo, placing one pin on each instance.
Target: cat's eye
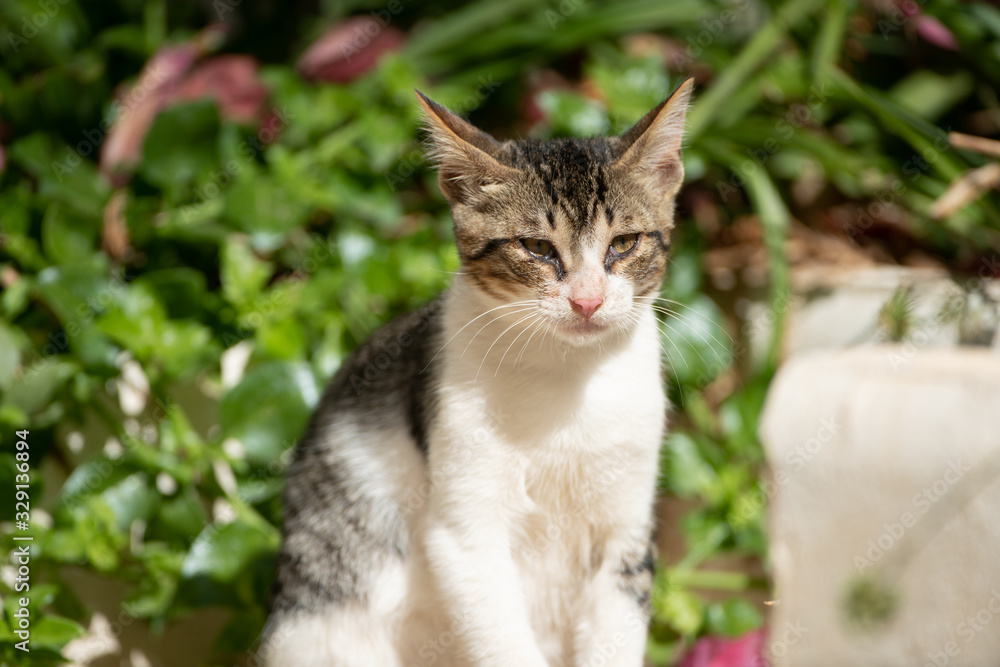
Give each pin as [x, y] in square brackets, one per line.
[539, 248]
[622, 244]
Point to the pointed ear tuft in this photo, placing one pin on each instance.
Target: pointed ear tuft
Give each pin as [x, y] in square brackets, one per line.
[653, 145]
[465, 155]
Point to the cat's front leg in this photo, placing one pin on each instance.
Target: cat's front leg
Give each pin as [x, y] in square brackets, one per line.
[468, 547]
[613, 627]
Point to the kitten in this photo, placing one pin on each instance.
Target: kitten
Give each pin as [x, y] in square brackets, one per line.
[476, 486]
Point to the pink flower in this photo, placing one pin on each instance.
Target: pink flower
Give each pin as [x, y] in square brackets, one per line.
[137, 108]
[928, 27]
[745, 651]
[349, 49]
[231, 81]
[936, 33]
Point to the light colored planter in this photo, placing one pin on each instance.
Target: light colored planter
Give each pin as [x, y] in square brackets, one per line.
[885, 508]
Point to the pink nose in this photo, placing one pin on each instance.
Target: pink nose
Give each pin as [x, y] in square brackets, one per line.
[586, 307]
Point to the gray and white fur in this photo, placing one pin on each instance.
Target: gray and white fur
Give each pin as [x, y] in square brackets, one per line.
[476, 486]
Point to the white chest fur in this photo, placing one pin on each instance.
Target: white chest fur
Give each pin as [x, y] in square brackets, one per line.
[551, 460]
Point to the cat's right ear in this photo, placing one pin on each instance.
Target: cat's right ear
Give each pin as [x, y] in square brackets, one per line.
[467, 169]
[653, 146]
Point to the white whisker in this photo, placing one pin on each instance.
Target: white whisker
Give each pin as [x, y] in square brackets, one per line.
[490, 348]
[671, 341]
[525, 346]
[495, 319]
[536, 317]
[698, 334]
[690, 321]
[506, 305]
[682, 305]
[666, 353]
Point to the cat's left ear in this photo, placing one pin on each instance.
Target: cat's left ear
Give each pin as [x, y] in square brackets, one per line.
[468, 170]
[653, 150]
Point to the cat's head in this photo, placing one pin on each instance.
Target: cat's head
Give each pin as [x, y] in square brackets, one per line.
[577, 227]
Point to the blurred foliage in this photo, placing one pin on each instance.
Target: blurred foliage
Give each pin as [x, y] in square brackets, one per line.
[155, 466]
[896, 316]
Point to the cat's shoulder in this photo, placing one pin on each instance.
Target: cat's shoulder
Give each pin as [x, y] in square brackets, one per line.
[395, 358]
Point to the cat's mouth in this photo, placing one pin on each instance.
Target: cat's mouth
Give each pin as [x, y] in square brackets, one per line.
[586, 328]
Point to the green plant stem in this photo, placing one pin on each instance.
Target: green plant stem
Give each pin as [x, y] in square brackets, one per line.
[775, 219]
[711, 580]
[699, 552]
[765, 42]
[913, 129]
[826, 50]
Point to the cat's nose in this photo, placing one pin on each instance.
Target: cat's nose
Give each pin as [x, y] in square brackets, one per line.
[586, 307]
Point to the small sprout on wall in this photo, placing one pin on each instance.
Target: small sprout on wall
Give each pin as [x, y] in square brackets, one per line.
[896, 317]
[870, 603]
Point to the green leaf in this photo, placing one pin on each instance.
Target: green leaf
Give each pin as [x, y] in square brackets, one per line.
[10, 356]
[267, 411]
[572, 115]
[226, 562]
[241, 632]
[765, 41]
[63, 175]
[462, 25]
[243, 274]
[682, 610]
[16, 297]
[35, 390]
[182, 290]
[155, 595]
[130, 499]
[775, 218]
[929, 94]
[929, 140]
[733, 618]
[87, 531]
[79, 292]
[54, 632]
[282, 338]
[631, 86]
[66, 239]
[92, 478]
[263, 208]
[136, 320]
[181, 145]
[688, 474]
[180, 517]
[140, 323]
[184, 346]
[827, 47]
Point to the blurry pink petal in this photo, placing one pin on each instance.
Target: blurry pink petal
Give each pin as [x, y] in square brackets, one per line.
[114, 234]
[271, 126]
[135, 110]
[908, 7]
[745, 651]
[348, 49]
[936, 33]
[231, 81]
